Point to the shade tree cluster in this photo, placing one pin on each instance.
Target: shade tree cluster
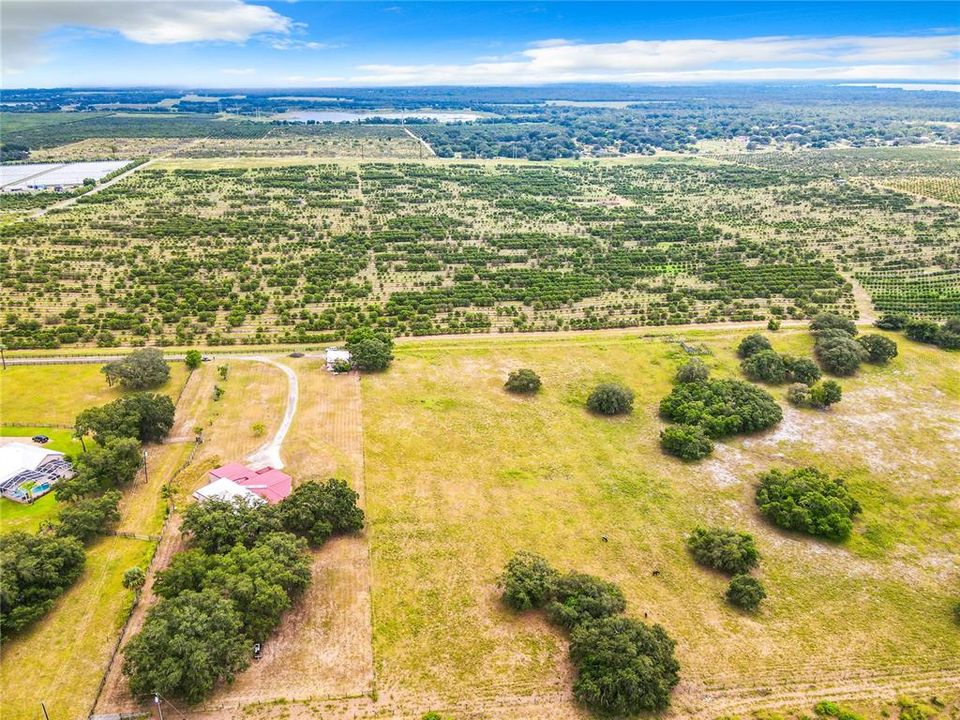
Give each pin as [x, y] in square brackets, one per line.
[245, 565]
[623, 666]
[734, 553]
[706, 410]
[945, 335]
[840, 351]
[762, 363]
[808, 500]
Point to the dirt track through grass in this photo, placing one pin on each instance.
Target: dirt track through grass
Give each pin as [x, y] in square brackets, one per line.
[323, 647]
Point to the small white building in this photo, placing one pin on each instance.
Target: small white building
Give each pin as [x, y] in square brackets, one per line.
[29, 471]
[226, 489]
[335, 355]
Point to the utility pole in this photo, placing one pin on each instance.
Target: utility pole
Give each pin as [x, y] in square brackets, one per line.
[2, 356]
[44, 708]
[146, 476]
[156, 699]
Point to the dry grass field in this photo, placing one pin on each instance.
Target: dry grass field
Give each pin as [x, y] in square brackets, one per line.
[45, 395]
[455, 475]
[460, 475]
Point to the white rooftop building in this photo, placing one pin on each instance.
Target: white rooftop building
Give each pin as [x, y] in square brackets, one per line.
[33, 466]
[226, 489]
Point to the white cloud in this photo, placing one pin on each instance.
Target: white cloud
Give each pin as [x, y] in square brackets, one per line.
[152, 22]
[291, 44]
[238, 71]
[922, 57]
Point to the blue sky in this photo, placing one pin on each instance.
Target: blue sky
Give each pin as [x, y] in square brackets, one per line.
[248, 43]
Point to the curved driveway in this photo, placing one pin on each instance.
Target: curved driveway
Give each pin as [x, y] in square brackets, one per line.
[269, 452]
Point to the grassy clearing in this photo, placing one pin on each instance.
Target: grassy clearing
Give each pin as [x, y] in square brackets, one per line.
[61, 658]
[16, 516]
[460, 475]
[60, 438]
[55, 394]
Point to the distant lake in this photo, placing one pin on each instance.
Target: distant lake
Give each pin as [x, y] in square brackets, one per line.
[941, 87]
[338, 116]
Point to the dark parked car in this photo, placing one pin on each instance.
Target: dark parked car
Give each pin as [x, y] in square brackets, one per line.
[296, 354]
[257, 651]
[41, 439]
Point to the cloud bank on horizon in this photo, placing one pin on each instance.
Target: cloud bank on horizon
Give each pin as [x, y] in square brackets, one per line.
[36, 35]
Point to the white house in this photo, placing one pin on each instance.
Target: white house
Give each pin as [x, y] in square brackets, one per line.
[226, 489]
[22, 464]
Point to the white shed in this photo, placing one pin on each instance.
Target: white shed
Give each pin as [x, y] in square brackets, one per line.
[335, 355]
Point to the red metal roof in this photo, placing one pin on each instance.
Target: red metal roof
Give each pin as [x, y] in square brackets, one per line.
[269, 483]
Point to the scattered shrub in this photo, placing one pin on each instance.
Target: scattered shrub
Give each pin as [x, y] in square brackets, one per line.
[801, 369]
[577, 597]
[879, 348]
[892, 322]
[523, 381]
[773, 324]
[752, 344]
[134, 578]
[527, 581]
[832, 321]
[745, 592]
[693, 371]
[911, 709]
[925, 331]
[831, 709]
[611, 399]
[809, 501]
[825, 393]
[765, 366]
[798, 394]
[838, 352]
[623, 666]
[687, 442]
[723, 549]
[721, 407]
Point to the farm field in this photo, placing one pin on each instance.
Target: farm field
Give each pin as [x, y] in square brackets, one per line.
[262, 250]
[52, 395]
[456, 475]
[460, 475]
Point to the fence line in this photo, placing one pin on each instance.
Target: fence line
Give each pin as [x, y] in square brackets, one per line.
[37, 424]
[136, 599]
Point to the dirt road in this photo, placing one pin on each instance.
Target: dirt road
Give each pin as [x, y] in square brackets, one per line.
[269, 452]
